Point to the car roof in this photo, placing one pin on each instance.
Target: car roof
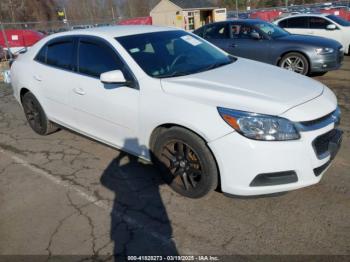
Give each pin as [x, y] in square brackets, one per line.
[247, 21]
[305, 15]
[118, 30]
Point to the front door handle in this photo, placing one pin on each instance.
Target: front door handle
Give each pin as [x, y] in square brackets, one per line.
[233, 45]
[79, 91]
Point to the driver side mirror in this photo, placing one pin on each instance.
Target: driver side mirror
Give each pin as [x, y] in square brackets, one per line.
[255, 35]
[331, 27]
[114, 77]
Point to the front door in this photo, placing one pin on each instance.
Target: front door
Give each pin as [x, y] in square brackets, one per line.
[107, 112]
[318, 26]
[243, 44]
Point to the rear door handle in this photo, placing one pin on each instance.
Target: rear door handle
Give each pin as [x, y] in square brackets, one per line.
[233, 45]
[79, 91]
[37, 78]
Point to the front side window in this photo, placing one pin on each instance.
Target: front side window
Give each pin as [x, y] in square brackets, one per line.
[172, 53]
[271, 30]
[298, 22]
[318, 23]
[339, 20]
[242, 31]
[97, 58]
[60, 54]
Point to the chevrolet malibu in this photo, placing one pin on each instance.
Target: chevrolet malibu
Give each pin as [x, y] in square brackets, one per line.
[207, 119]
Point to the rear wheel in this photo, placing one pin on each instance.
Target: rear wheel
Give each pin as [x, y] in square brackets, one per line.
[36, 116]
[186, 162]
[295, 62]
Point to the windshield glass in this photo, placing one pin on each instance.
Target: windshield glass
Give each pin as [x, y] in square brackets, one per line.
[173, 53]
[271, 30]
[339, 20]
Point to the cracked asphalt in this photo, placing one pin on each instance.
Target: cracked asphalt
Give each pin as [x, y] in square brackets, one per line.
[67, 195]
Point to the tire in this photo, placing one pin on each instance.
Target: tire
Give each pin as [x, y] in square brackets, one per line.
[318, 74]
[36, 116]
[190, 169]
[295, 62]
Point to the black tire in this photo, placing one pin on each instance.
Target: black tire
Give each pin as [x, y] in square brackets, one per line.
[318, 74]
[192, 173]
[295, 62]
[36, 116]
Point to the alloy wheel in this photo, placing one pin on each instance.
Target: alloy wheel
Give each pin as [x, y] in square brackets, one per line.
[294, 63]
[183, 163]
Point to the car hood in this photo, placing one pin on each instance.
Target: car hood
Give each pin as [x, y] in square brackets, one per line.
[246, 85]
[316, 41]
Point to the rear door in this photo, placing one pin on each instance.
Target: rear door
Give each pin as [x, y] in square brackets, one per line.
[218, 34]
[54, 73]
[107, 112]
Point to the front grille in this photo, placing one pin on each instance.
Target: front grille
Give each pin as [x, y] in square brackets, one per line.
[333, 117]
[321, 143]
[317, 121]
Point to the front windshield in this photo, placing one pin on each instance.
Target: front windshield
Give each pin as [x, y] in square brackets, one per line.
[339, 20]
[271, 30]
[172, 53]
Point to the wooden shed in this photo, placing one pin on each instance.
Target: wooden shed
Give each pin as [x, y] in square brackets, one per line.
[186, 14]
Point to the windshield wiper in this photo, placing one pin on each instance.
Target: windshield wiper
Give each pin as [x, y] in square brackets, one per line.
[174, 74]
[216, 65]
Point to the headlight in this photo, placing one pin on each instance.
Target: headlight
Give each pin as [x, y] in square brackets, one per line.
[325, 50]
[259, 127]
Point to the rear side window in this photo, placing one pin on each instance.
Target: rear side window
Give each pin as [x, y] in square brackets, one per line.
[318, 23]
[297, 22]
[97, 58]
[199, 31]
[216, 31]
[60, 54]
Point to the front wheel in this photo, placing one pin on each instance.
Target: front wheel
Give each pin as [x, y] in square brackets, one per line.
[295, 62]
[186, 162]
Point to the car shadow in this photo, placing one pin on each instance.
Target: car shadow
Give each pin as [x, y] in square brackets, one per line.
[139, 220]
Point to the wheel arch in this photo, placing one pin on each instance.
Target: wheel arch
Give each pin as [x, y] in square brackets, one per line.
[22, 92]
[158, 130]
[295, 51]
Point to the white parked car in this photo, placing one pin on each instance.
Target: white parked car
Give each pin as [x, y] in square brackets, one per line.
[326, 25]
[206, 118]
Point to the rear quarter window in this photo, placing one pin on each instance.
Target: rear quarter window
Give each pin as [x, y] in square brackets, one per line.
[41, 56]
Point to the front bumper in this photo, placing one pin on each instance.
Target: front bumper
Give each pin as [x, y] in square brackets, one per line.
[241, 160]
[328, 62]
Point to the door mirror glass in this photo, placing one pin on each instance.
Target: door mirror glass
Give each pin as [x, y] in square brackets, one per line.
[331, 27]
[255, 35]
[113, 77]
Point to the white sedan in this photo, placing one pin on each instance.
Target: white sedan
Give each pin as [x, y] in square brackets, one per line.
[206, 118]
[326, 25]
